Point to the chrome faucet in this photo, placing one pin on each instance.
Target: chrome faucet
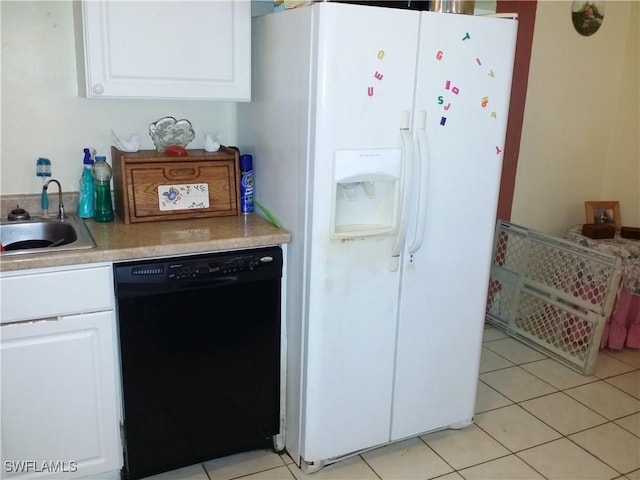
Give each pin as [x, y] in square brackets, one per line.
[61, 214]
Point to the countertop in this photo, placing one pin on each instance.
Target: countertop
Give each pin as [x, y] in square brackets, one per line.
[119, 242]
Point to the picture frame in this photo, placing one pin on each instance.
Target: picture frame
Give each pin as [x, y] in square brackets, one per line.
[599, 213]
[587, 16]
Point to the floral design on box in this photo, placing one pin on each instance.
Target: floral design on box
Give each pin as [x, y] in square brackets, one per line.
[188, 196]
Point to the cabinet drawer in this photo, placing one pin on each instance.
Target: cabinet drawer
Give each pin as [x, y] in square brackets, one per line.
[150, 186]
[56, 292]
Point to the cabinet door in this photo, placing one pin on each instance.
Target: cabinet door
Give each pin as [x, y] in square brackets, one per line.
[166, 49]
[59, 402]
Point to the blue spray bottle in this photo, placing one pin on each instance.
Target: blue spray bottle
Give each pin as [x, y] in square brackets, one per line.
[85, 202]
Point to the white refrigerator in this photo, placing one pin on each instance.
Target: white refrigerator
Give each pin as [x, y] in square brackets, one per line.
[377, 137]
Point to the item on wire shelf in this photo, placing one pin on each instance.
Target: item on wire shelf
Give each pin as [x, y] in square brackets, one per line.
[599, 231]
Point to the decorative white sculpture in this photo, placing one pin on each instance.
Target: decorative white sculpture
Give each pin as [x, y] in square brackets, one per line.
[130, 145]
[168, 131]
[210, 145]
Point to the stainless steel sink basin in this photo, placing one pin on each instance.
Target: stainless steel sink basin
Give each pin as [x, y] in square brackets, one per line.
[44, 235]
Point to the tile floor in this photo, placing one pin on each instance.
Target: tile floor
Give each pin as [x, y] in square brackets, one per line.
[536, 419]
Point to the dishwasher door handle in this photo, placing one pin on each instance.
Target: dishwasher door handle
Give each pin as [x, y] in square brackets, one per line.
[135, 290]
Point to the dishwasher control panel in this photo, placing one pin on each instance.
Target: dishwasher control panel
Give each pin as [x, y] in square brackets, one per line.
[217, 267]
[199, 267]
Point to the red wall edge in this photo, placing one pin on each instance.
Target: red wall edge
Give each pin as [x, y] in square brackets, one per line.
[526, 11]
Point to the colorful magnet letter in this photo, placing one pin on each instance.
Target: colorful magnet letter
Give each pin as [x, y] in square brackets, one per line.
[447, 86]
[493, 115]
[484, 101]
[380, 54]
[491, 73]
[443, 120]
[498, 151]
[440, 100]
[466, 36]
[370, 91]
[439, 55]
[478, 61]
[447, 106]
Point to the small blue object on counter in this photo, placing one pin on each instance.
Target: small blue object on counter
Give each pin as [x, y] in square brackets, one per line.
[246, 183]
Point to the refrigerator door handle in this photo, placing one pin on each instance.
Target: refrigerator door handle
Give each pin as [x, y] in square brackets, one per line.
[422, 165]
[405, 192]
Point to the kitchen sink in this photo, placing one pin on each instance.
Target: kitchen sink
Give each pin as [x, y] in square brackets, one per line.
[44, 235]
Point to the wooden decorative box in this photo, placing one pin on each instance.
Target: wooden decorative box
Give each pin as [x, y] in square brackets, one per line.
[630, 232]
[598, 231]
[151, 186]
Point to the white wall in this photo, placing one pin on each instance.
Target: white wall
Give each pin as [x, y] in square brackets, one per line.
[580, 128]
[43, 116]
[580, 132]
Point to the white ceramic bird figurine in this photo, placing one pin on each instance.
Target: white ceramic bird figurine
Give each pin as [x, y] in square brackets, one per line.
[130, 145]
[210, 145]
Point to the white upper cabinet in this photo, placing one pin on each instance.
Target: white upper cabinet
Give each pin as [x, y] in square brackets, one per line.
[164, 49]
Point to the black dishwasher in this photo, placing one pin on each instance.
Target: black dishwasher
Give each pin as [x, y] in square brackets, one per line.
[200, 357]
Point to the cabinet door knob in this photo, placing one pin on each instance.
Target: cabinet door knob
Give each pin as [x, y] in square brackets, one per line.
[98, 88]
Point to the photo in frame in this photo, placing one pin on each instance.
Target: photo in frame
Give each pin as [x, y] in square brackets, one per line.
[587, 16]
[600, 213]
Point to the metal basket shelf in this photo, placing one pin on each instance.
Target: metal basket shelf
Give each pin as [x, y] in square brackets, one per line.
[551, 294]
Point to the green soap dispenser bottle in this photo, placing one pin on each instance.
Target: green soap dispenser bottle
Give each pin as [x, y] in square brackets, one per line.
[103, 208]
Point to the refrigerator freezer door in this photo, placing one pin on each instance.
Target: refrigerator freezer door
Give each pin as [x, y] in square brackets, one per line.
[364, 71]
[464, 81]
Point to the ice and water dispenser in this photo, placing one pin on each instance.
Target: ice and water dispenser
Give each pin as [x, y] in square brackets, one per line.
[366, 192]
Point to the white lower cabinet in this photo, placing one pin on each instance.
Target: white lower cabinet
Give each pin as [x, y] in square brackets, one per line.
[60, 391]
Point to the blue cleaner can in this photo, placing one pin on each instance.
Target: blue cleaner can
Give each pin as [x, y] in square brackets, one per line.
[246, 183]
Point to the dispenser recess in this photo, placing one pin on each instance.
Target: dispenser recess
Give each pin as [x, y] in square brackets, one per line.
[366, 192]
